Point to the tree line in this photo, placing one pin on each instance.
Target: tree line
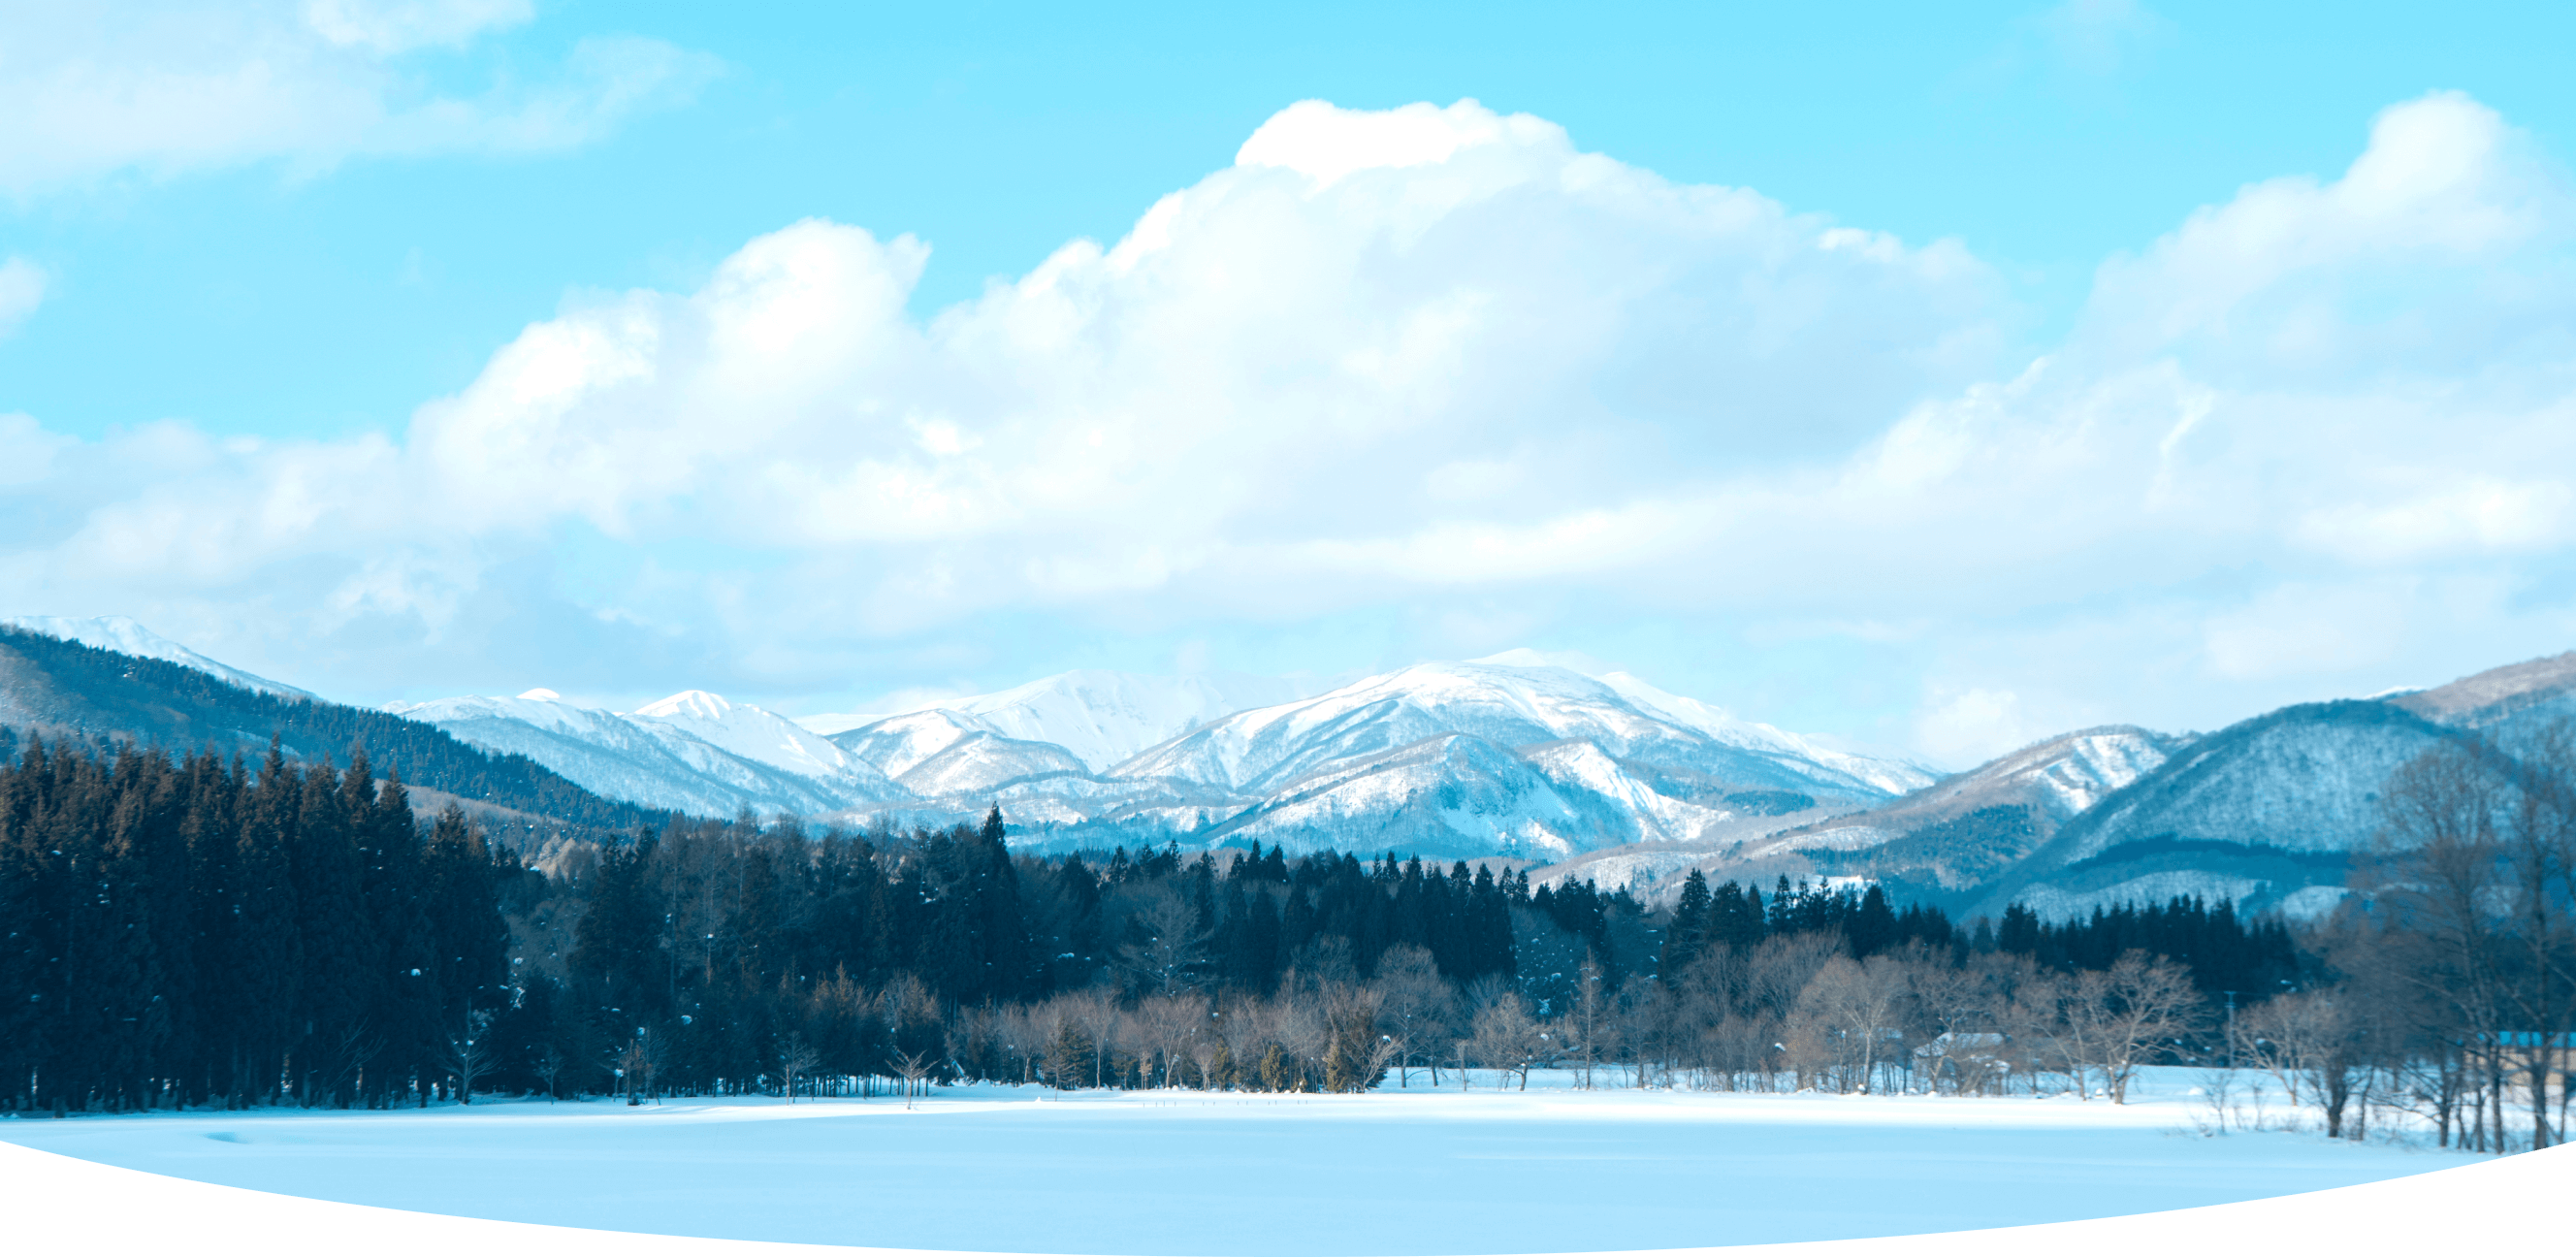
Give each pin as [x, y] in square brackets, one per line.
[205, 931]
[191, 931]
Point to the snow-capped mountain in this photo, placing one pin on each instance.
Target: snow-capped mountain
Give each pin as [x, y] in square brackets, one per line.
[1597, 775]
[1508, 705]
[896, 743]
[691, 752]
[981, 763]
[1500, 756]
[1102, 718]
[2267, 812]
[1476, 758]
[1726, 727]
[120, 633]
[2044, 784]
[1951, 836]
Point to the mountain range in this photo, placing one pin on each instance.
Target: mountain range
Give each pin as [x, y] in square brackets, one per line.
[1513, 756]
[1509, 755]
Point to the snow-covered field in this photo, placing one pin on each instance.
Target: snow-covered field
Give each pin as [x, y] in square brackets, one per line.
[1398, 1172]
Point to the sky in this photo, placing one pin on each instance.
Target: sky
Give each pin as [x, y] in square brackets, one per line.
[1932, 377]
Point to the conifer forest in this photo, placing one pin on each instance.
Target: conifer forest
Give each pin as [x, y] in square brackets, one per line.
[199, 931]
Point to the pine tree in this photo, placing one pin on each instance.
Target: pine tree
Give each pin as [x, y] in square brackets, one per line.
[26, 928]
[1689, 930]
[1871, 928]
[343, 961]
[1069, 1058]
[269, 969]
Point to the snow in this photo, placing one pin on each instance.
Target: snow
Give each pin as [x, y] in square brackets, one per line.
[693, 752]
[1103, 718]
[980, 763]
[2306, 784]
[1514, 757]
[1396, 1172]
[1725, 726]
[1507, 704]
[897, 743]
[751, 733]
[124, 635]
[2086, 766]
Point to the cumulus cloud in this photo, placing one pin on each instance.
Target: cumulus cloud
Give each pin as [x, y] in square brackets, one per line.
[1440, 360]
[161, 89]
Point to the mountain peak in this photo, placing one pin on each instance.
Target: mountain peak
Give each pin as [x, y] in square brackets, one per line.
[689, 704]
[541, 695]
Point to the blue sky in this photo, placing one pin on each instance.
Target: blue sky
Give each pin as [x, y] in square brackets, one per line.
[253, 250]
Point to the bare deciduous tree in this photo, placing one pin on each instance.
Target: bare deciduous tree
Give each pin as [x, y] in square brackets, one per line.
[548, 1067]
[2135, 1008]
[913, 1068]
[796, 1058]
[1506, 1039]
[468, 1054]
[1850, 1018]
[1172, 948]
[1167, 1025]
[1419, 1006]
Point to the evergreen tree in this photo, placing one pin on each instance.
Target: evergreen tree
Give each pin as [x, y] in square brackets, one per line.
[262, 985]
[1871, 927]
[1689, 929]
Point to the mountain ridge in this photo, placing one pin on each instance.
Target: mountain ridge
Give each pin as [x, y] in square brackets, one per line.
[1513, 756]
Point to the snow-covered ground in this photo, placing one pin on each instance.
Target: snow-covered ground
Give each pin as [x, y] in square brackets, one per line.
[1397, 1172]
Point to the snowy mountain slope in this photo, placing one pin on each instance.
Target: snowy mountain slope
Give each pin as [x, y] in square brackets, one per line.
[1505, 705]
[979, 763]
[692, 752]
[1101, 717]
[1938, 844]
[896, 743]
[1447, 795]
[1884, 775]
[125, 636]
[762, 737]
[1639, 806]
[2522, 694]
[1551, 760]
[2052, 781]
[2278, 803]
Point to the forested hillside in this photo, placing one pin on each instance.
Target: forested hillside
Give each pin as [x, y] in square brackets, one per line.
[63, 687]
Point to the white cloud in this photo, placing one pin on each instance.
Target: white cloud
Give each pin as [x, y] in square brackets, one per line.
[22, 289]
[2293, 273]
[1438, 363]
[2303, 628]
[387, 26]
[1328, 144]
[1968, 726]
[2470, 514]
[27, 451]
[163, 89]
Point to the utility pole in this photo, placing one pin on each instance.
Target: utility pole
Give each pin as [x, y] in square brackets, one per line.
[2231, 1028]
